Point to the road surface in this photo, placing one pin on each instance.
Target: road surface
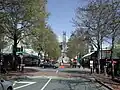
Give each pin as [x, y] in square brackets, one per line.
[57, 79]
[55, 83]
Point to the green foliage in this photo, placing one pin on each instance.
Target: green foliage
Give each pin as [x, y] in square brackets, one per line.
[76, 45]
[45, 39]
[3, 43]
[19, 17]
[101, 20]
[116, 51]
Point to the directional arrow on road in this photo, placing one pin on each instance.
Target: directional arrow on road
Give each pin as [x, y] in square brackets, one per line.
[22, 82]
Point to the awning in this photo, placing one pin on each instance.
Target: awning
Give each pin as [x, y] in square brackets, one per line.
[28, 52]
[88, 54]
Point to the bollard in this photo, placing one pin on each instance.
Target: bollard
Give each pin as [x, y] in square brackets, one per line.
[22, 67]
[105, 72]
[91, 70]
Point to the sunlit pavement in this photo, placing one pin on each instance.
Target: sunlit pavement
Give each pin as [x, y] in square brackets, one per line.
[56, 83]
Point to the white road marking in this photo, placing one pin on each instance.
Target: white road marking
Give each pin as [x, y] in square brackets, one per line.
[46, 84]
[14, 83]
[27, 84]
[56, 71]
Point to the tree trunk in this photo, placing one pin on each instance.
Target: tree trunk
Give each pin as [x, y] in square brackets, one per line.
[0, 60]
[98, 51]
[98, 55]
[0, 54]
[14, 53]
[111, 56]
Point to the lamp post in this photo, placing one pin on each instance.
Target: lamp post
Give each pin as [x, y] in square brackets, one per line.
[106, 52]
[105, 67]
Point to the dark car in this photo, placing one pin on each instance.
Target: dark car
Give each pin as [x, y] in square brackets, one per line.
[48, 65]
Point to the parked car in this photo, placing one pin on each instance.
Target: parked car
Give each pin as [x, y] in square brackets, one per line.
[48, 65]
[5, 85]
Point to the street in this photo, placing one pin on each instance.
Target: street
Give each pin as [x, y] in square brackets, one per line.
[56, 82]
[59, 44]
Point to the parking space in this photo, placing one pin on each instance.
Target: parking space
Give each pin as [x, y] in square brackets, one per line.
[33, 84]
[49, 83]
[75, 84]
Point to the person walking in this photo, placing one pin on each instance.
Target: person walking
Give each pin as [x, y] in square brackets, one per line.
[22, 65]
[74, 63]
[78, 61]
[78, 64]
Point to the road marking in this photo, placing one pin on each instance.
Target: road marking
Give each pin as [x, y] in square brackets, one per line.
[27, 84]
[14, 83]
[56, 71]
[46, 84]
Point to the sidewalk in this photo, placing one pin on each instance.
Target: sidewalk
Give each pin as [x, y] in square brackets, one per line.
[107, 81]
[16, 74]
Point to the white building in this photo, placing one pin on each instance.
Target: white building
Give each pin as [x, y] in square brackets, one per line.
[9, 49]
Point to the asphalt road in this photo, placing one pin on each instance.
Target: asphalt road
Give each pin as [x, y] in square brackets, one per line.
[56, 83]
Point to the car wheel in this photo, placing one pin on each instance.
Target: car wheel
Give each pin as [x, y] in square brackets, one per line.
[54, 67]
[9, 88]
[43, 66]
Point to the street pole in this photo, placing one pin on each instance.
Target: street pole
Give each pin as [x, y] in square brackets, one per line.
[112, 69]
[105, 67]
[106, 52]
[100, 52]
[101, 47]
[0, 60]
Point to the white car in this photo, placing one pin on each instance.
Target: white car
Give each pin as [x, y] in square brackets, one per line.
[5, 85]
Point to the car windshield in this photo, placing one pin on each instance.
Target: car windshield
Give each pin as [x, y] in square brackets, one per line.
[59, 45]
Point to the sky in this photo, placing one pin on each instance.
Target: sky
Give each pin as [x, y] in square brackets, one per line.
[61, 14]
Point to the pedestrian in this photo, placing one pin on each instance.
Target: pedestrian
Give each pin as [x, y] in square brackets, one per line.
[70, 63]
[19, 62]
[78, 64]
[74, 63]
[22, 65]
[78, 61]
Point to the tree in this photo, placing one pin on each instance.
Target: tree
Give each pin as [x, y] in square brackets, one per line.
[114, 25]
[45, 39]
[117, 49]
[19, 18]
[2, 35]
[1, 31]
[95, 18]
[76, 44]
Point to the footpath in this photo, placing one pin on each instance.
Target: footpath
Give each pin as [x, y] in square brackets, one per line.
[112, 84]
[85, 73]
